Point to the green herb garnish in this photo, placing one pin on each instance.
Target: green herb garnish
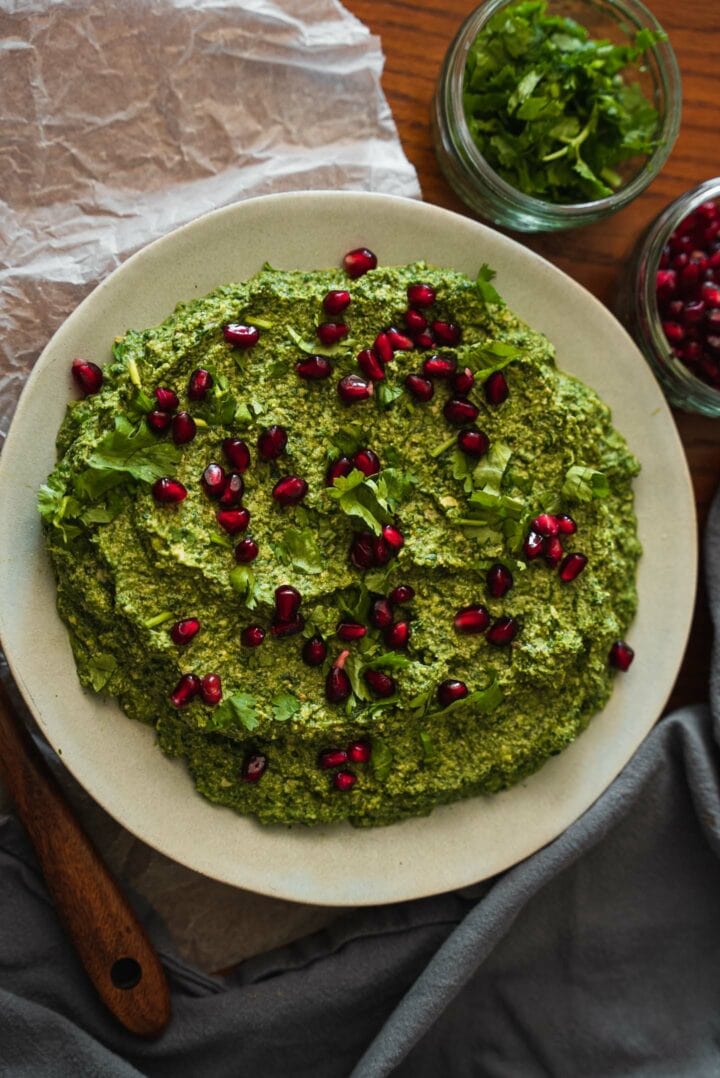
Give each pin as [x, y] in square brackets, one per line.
[550, 108]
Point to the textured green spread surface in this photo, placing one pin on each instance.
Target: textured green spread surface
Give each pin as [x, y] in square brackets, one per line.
[127, 568]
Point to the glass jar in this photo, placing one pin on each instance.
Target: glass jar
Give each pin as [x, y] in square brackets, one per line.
[482, 189]
[637, 304]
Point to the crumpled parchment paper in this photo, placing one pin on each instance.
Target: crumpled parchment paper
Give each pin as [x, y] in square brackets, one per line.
[119, 122]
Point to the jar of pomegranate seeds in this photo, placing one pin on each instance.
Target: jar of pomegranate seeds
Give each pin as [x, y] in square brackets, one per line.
[669, 298]
[539, 127]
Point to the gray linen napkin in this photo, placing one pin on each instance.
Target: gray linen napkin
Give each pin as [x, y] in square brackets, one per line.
[599, 955]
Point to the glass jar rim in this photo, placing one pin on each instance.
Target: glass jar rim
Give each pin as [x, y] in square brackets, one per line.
[452, 79]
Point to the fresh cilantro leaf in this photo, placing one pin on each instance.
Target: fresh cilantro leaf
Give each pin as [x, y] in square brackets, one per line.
[348, 439]
[490, 470]
[56, 506]
[316, 348]
[390, 660]
[100, 669]
[488, 292]
[381, 759]
[357, 496]
[284, 706]
[243, 583]
[481, 702]
[239, 708]
[386, 395]
[299, 548]
[584, 484]
[430, 751]
[462, 469]
[135, 451]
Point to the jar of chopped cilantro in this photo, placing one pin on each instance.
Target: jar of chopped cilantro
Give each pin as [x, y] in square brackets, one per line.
[552, 114]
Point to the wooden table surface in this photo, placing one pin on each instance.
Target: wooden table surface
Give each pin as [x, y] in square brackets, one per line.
[415, 35]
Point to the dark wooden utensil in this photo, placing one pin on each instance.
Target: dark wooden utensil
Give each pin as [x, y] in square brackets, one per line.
[110, 941]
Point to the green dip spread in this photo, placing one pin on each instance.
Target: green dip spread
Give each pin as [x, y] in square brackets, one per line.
[129, 567]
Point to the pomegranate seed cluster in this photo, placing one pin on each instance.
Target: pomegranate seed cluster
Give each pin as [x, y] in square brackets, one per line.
[688, 292]
[349, 540]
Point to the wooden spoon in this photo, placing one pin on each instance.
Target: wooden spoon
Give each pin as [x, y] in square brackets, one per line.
[110, 941]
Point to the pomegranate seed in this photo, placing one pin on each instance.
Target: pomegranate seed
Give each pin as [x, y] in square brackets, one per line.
[167, 399]
[472, 619]
[546, 524]
[439, 366]
[381, 614]
[337, 469]
[371, 365]
[359, 751]
[421, 295]
[183, 631]
[381, 685]
[336, 301]
[241, 336]
[330, 758]
[566, 525]
[447, 333]
[362, 554]
[200, 382]
[158, 422]
[400, 342]
[233, 521]
[534, 545]
[168, 491]
[397, 635]
[233, 492]
[463, 381]
[344, 780]
[252, 636]
[350, 630]
[211, 689]
[665, 284]
[711, 294]
[393, 537]
[382, 551]
[337, 682]
[459, 411]
[183, 428]
[314, 651]
[707, 210]
[621, 655]
[382, 346]
[186, 690]
[358, 262]
[289, 490]
[674, 332]
[502, 632]
[553, 550]
[474, 442]
[237, 454]
[495, 388]
[499, 580]
[213, 480]
[367, 462]
[414, 321]
[571, 566]
[246, 551]
[424, 340]
[330, 333]
[421, 388]
[352, 388]
[403, 593]
[451, 690]
[287, 602]
[87, 376]
[313, 368]
[254, 767]
[287, 628]
[272, 443]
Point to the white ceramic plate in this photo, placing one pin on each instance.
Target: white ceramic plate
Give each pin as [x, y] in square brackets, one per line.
[117, 760]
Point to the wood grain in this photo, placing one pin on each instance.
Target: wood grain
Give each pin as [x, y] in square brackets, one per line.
[107, 936]
[415, 37]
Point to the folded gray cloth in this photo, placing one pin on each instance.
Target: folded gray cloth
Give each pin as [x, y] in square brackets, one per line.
[599, 956]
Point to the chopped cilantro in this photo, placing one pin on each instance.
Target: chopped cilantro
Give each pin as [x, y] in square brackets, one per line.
[284, 706]
[100, 669]
[488, 292]
[299, 549]
[552, 109]
[134, 451]
[584, 484]
[242, 581]
[238, 708]
[381, 759]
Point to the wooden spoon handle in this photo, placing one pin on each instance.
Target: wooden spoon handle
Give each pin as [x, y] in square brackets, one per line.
[110, 941]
